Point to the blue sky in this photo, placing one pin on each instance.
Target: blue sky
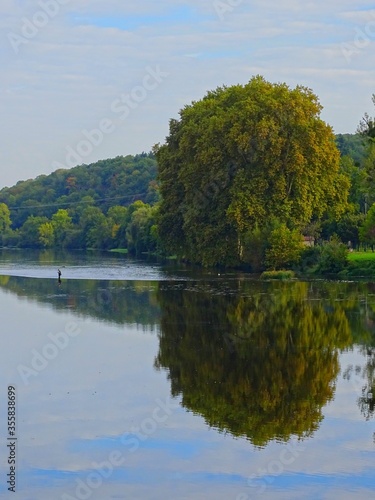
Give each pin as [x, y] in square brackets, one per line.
[68, 64]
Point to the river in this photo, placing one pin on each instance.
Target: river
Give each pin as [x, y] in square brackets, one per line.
[145, 381]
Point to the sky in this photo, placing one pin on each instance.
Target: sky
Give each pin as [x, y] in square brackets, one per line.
[83, 80]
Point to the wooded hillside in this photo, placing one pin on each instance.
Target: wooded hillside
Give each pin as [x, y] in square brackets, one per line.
[118, 181]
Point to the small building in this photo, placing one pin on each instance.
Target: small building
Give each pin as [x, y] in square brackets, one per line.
[309, 241]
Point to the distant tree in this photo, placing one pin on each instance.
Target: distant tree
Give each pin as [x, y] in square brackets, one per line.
[367, 230]
[105, 182]
[47, 234]
[5, 221]
[118, 219]
[366, 126]
[346, 228]
[358, 181]
[96, 231]
[61, 223]
[141, 235]
[29, 232]
[352, 146]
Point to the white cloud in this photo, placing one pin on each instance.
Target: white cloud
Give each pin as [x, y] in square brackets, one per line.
[66, 76]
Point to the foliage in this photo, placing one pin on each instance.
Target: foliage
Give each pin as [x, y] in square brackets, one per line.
[46, 234]
[367, 230]
[120, 180]
[284, 247]
[61, 223]
[359, 269]
[310, 259]
[141, 237]
[254, 248]
[358, 181]
[29, 236]
[353, 146]
[5, 221]
[347, 228]
[366, 127]
[239, 157]
[132, 228]
[333, 256]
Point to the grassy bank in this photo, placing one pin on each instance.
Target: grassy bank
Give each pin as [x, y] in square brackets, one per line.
[361, 256]
[360, 264]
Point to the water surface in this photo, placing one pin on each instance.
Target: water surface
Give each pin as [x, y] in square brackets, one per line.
[142, 381]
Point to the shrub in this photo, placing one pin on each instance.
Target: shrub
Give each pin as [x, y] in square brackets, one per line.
[333, 256]
[285, 247]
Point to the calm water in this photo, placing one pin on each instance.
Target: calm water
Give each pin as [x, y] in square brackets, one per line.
[138, 381]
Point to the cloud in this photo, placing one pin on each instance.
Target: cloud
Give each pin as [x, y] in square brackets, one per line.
[65, 77]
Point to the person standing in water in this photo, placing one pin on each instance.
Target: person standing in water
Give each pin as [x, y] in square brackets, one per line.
[59, 276]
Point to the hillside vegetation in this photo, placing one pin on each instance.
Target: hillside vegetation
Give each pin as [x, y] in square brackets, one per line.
[118, 181]
[108, 204]
[247, 175]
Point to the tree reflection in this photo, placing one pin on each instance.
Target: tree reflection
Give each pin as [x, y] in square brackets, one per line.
[118, 302]
[261, 363]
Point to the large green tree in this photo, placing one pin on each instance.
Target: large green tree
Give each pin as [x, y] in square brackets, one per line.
[241, 156]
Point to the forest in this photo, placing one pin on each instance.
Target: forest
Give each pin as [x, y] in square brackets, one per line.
[246, 176]
[106, 205]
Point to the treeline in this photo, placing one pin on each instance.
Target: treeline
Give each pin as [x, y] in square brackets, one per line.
[118, 181]
[86, 227]
[246, 174]
[89, 206]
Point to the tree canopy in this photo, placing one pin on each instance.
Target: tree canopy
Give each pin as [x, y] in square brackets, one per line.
[118, 181]
[100, 206]
[240, 158]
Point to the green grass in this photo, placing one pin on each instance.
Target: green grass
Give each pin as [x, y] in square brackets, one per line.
[361, 264]
[361, 256]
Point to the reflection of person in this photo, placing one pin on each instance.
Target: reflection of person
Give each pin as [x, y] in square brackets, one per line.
[59, 276]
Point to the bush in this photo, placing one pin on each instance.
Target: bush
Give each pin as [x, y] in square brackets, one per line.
[310, 259]
[333, 257]
[285, 247]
